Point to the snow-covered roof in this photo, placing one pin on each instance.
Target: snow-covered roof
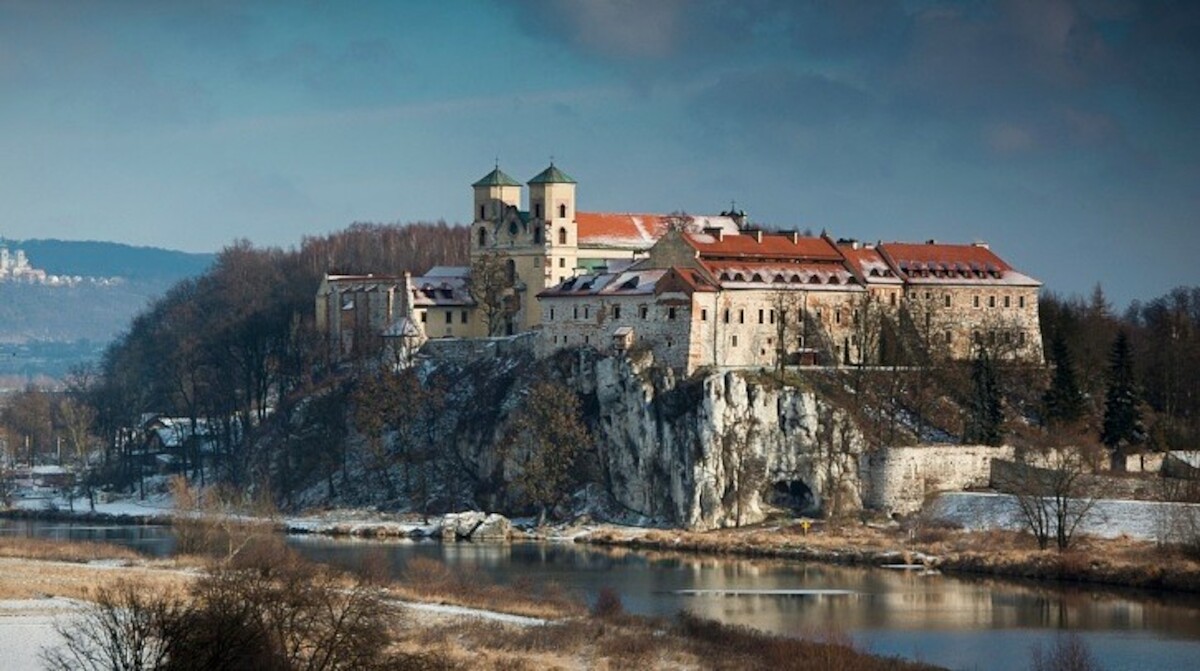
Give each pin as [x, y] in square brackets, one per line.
[448, 271]
[441, 291]
[639, 231]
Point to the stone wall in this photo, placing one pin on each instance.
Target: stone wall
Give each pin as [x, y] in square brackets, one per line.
[1007, 476]
[898, 479]
[466, 350]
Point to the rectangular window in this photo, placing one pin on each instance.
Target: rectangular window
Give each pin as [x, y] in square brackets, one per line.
[424, 317]
[726, 315]
[1008, 301]
[586, 311]
[586, 339]
[947, 337]
[703, 314]
[575, 312]
[928, 295]
[562, 263]
[642, 312]
[1021, 338]
[760, 316]
[976, 300]
[772, 316]
[670, 313]
[837, 316]
[734, 341]
[892, 298]
[616, 312]
[947, 300]
[991, 301]
[449, 317]
[551, 314]
[1021, 301]
[741, 316]
[463, 318]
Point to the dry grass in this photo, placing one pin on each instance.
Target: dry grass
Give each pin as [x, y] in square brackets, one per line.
[1123, 561]
[634, 643]
[432, 581]
[52, 550]
[38, 579]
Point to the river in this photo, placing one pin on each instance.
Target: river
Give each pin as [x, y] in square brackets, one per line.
[960, 623]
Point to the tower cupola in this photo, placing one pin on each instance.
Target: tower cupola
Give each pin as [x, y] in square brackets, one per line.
[493, 192]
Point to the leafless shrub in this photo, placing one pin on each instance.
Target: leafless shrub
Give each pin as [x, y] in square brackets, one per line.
[608, 604]
[286, 615]
[1068, 653]
[122, 630]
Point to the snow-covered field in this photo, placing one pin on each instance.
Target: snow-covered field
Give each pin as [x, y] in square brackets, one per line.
[1108, 518]
[27, 626]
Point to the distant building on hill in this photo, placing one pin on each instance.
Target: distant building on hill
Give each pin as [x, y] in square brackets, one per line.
[696, 290]
[15, 266]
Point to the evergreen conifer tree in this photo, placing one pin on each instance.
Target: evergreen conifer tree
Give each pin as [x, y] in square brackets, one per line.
[1122, 416]
[1063, 400]
[985, 420]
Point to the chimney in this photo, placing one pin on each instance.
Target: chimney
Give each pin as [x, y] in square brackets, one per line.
[980, 244]
[757, 233]
[931, 241]
[794, 235]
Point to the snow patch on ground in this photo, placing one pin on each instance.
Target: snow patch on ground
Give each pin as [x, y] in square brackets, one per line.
[27, 626]
[1108, 518]
[461, 611]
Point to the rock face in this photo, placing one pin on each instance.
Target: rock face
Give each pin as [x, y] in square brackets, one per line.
[700, 453]
[682, 451]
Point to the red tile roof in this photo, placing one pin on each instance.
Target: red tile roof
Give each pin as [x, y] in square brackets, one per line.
[771, 246]
[943, 256]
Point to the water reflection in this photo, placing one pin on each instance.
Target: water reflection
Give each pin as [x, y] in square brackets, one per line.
[976, 623]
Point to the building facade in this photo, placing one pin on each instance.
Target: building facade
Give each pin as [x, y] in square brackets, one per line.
[697, 290]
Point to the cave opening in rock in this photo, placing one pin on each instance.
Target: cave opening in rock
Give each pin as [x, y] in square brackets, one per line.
[793, 495]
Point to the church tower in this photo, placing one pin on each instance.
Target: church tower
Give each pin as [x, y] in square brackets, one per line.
[495, 193]
[552, 207]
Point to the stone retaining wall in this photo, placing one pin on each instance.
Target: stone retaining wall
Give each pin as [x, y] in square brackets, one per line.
[898, 479]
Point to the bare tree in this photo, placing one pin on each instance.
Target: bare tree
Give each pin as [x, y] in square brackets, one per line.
[491, 285]
[745, 469]
[788, 309]
[1054, 498]
[544, 438]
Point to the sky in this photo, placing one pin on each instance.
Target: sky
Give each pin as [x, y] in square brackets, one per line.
[1064, 133]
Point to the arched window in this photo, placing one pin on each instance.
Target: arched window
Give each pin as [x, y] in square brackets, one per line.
[562, 211]
[482, 236]
[510, 271]
[562, 236]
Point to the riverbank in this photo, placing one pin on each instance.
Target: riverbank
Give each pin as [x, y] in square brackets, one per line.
[436, 618]
[1119, 562]
[1113, 562]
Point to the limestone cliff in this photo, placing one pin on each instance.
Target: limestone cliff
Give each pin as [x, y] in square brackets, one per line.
[683, 450]
[702, 452]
